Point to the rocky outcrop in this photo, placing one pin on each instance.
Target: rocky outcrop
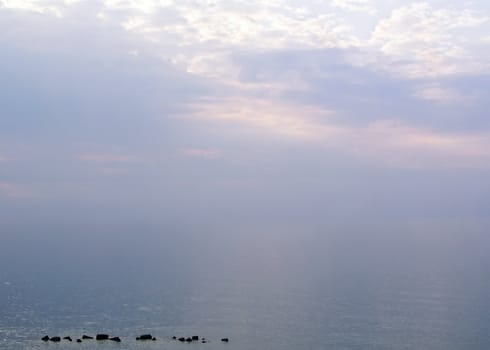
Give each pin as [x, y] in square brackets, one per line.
[102, 337]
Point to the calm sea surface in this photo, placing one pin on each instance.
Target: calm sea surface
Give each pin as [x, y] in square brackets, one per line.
[263, 290]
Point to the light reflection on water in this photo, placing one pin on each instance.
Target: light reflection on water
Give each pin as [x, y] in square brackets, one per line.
[266, 293]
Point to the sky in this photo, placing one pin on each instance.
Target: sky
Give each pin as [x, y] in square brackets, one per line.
[208, 113]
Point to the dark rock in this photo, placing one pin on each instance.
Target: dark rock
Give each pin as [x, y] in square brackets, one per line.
[153, 338]
[79, 340]
[102, 337]
[116, 339]
[195, 338]
[67, 338]
[226, 340]
[174, 337]
[182, 339]
[145, 337]
[55, 339]
[45, 338]
[188, 340]
[87, 337]
[204, 341]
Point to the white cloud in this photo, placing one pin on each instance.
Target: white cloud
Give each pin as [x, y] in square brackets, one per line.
[421, 40]
[438, 94]
[355, 5]
[52, 8]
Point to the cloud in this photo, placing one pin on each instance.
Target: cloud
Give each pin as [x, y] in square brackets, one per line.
[389, 141]
[200, 37]
[407, 146]
[29, 5]
[266, 115]
[355, 6]
[438, 94]
[107, 158]
[421, 40]
[12, 190]
[202, 153]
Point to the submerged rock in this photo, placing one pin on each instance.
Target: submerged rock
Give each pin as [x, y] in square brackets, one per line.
[102, 337]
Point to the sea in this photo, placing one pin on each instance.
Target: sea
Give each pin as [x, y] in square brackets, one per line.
[396, 287]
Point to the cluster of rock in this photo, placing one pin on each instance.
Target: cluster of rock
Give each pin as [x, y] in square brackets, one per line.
[146, 337]
[195, 338]
[97, 337]
[191, 339]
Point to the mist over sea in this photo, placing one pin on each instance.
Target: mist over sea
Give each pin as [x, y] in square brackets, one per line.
[372, 286]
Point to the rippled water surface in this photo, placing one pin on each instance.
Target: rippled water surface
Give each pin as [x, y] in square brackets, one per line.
[261, 290]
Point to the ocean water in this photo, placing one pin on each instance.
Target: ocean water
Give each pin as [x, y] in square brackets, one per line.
[268, 289]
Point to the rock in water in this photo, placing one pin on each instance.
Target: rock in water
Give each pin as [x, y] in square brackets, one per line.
[45, 338]
[55, 339]
[102, 337]
[87, 337]
[195, 338]
[67, 338]
[117, 339]
[226, 340]
[145, 337]
[79, 340]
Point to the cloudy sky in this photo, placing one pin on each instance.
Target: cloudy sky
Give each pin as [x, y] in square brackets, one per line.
[205, 111]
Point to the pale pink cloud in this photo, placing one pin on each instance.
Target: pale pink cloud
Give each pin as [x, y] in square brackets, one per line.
[107, 158]
[202, 153]
[270, 116]
[388, 141]
[404, 145]
[12, 190]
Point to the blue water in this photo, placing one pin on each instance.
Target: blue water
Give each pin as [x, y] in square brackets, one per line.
[268, 289]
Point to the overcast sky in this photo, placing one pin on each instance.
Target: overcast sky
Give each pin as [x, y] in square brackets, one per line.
[251, 111]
